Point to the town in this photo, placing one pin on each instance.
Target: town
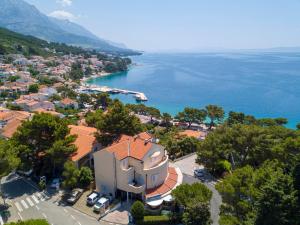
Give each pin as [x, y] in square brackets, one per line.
[75, 152]
[99, 172]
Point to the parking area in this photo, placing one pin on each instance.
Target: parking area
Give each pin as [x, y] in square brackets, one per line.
[26, 201]
[81, 205]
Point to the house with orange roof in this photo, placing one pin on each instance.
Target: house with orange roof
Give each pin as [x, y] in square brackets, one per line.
[10, 121]
[136, 168]
[86, 144]
[68, 103]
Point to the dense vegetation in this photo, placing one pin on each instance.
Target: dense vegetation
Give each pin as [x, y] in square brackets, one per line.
[195, 200]
[15, 43]
[30, 222]
[259, 160]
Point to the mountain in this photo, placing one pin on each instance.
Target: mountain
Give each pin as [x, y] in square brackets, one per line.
[21, 17]
[15, 43]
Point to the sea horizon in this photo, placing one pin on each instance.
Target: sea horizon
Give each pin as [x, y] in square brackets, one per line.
[262, 84]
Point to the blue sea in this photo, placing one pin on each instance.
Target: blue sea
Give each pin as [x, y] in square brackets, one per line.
[259, 84]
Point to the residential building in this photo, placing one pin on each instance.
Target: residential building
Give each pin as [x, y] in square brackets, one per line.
[68, 103]
[11, 120]
[135, 167]
[86, 145]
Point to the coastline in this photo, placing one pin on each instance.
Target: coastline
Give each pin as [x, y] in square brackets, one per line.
[101, 74]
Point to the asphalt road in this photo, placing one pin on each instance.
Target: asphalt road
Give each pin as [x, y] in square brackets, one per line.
[187, 167]
[28, 203]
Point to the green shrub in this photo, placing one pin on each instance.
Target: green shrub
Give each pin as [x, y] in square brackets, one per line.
[30, 222]
[155, 220]
[137, 210]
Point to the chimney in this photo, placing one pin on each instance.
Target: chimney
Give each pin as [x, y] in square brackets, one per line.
[128, 147]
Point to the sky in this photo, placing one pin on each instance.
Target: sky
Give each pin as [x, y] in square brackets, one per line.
[187, 25]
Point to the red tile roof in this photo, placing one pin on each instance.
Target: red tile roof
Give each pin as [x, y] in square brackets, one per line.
[167, 186]
[138, 145]
[84, 141]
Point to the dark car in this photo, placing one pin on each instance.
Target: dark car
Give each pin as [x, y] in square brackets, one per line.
[74, 196]
[198, 173]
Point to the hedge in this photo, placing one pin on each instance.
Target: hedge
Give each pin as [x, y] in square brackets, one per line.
[155, 220]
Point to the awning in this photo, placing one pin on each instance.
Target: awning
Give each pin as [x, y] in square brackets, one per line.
[168, 198]
[154, 203]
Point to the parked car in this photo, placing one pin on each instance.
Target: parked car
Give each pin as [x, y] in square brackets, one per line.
[92, 198]
[101, 205]
[198, 173]
[74, 196]
[55, 183]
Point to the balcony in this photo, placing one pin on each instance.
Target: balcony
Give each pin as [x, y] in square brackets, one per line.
[161, 164]
[136, 188]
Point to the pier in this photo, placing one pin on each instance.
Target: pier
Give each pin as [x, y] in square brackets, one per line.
[139, 96]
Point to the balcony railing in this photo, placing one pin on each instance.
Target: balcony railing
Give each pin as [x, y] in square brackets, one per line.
[136, 188]
[163, 161]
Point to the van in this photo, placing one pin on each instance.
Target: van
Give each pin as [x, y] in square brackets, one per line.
[92, 198]
[101, 205]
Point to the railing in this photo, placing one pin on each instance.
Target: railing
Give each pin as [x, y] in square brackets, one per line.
[136, 188]
[164, 161]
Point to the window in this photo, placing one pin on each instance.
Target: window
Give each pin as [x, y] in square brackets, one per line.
[154, 178]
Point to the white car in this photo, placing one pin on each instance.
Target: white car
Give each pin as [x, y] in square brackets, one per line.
[102, 203]
[55, 183]
[92, 198]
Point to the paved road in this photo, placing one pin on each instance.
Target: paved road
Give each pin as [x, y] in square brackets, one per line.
[29, 203]
[187, 166]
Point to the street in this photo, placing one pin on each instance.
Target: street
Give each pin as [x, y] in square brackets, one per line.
[26, 202]
[187, 166]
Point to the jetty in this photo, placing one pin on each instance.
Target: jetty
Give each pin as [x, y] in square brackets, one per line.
[87, 88]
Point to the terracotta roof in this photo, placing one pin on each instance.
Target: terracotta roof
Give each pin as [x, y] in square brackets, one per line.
[42, 110]
[139, 146]
[67, 101]
[8, 115]
[167, 186]
[84, 141]
[193, 133]
[11, 127]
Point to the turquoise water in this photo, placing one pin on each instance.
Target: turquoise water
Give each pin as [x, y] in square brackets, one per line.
[260, 84]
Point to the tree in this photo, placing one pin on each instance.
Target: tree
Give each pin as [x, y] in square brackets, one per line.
[102, 100]
[45, 140]
[9, 159]
[70, 175]
[59, 152]
[196, 214]
[76, 71]
[137, 210]
[153, 113]
[166, 119]
[214, 113]
[84, 99]
[115, 122]
[191, 115]
[93, 118]
[85, 176]
[186, 194]
[278, 202]
[33, 88]
[13, 78]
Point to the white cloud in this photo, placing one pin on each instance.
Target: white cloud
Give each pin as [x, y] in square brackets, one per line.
[63, 15]
[64, 2]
